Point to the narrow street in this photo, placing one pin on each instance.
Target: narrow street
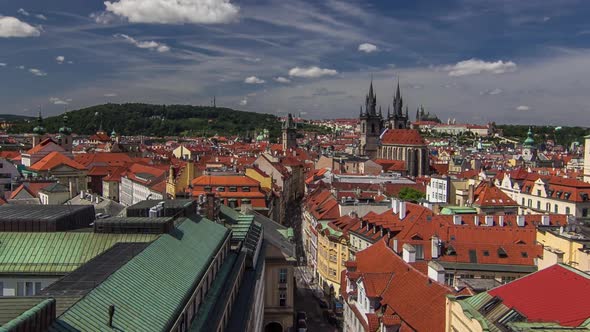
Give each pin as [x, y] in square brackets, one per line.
[306, 301]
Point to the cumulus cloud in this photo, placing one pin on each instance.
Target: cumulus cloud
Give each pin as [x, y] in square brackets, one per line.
[110, 95]
[244, 101]
[253, 80]
[476, 66]
[281, 79]
[104, 17]
[367, 48]
[36, 72]
[59, 101]
[492, 92]
[23, 12]
[60, 59]
[311, 72]
[151, 45]
[13, 27]
[523, 108]
[41, 17]
[174, 11]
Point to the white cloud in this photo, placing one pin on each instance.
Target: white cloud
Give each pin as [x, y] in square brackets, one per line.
[13, 27]
[110, 95]
[21, 67]
[104, 17]
[2, 64]
[476, 66]
[492, 92]
[59, 101]
[37, 72]
[244, 101]
[151, 45]
[174, 11]
[23, 12]
[60, 59]
[253, 80]
[249, 59]
[367, 48]
[311, 72]
[281, 79]
[523, 108]
[41, 17]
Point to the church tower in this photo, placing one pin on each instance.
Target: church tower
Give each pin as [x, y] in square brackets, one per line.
[397, 119]
[38, 131]
[371, 125]
[529, 151]
[289, 137]
[65, 135]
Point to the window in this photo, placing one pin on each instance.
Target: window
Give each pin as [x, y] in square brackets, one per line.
[233, 189]
[245, 189]
[548, 207]
[282, 299]
[208, 189]
[567, 210]
[556, 208]
[538, 205]
[419, 251]
[530, 202]
[507, 279]
[584, 212]
[1, 288]
[221, 189]
[538, 192]
[20, 289]
[522, 201]
[282, 276]
[29, 289]
[449, 279]
[486, 253]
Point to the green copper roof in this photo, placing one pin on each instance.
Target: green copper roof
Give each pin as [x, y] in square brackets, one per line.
[15, 309]
[239, 223]
[529, 141]
[330, 229]
[56, 253]
[150, 290]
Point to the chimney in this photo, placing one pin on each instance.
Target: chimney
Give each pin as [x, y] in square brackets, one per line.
[245, 206]
[435, 247]
[545, 220]
[489, 220]
[436, 272]
[457, 220]
[395, 245]
[501, 221]
[520, 220]
[402, 210]
[409, 254]
[81, 194]
[395, 205]
[111, 314]
[476, 220]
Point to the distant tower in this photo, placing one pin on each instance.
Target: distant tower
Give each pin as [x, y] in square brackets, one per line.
[397, 119]
[65, 135]
[38, 131]
[371, 125]
[529, 150]
[587, 159]
[289, 138]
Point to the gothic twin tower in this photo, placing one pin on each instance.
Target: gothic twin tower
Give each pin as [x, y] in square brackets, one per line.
[372, 121]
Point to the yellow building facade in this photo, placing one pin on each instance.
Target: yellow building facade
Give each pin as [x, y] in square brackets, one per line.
[178, 183]
[265, 180]
[562, 246]
[332, 253]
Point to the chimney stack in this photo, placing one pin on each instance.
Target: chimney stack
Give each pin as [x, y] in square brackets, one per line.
[402, 210]
[395, 205]
[435, 247]
[501, 221]
[476, 220]
[409, 253]
[520, 220]
[436, 272]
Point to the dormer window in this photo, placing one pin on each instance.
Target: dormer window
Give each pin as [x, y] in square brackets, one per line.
[220, 189]
[567, 195]
[559, 192]
[208, 189]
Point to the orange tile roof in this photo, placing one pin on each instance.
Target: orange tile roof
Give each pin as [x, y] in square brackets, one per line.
[41, 145]
[225, 180]
[53, 160]
[402, 137]
[491, 196]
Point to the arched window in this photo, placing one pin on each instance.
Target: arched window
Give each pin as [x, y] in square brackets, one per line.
[548, 207]
[556, 209]
[363, 128]
[567, 210]
[373, 128]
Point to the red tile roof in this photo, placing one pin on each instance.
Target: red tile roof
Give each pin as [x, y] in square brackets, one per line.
[555, 294]
[225, 180]
[41, 145]
[489, 195]
[53, 160]
[402, 137]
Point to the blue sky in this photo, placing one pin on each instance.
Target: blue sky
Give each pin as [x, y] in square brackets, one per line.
[474, 60]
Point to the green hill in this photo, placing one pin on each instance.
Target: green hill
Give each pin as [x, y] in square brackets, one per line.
[160, 120]
[14, 117]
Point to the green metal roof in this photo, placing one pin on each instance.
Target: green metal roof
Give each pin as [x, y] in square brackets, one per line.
[12, 308]
[56, 253]
[448, 210]
[330, 229]
[151, 289]
[239, 223]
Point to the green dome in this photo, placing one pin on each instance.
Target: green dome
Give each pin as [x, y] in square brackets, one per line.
[113, 133]
[65, 130]
[529, 141]
[39, 129]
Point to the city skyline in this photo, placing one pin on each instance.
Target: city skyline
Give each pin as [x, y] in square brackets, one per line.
[476, 61]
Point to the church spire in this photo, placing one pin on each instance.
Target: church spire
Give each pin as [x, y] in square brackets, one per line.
[371, 101]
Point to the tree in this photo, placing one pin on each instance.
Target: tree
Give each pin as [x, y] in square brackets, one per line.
[410, 194]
